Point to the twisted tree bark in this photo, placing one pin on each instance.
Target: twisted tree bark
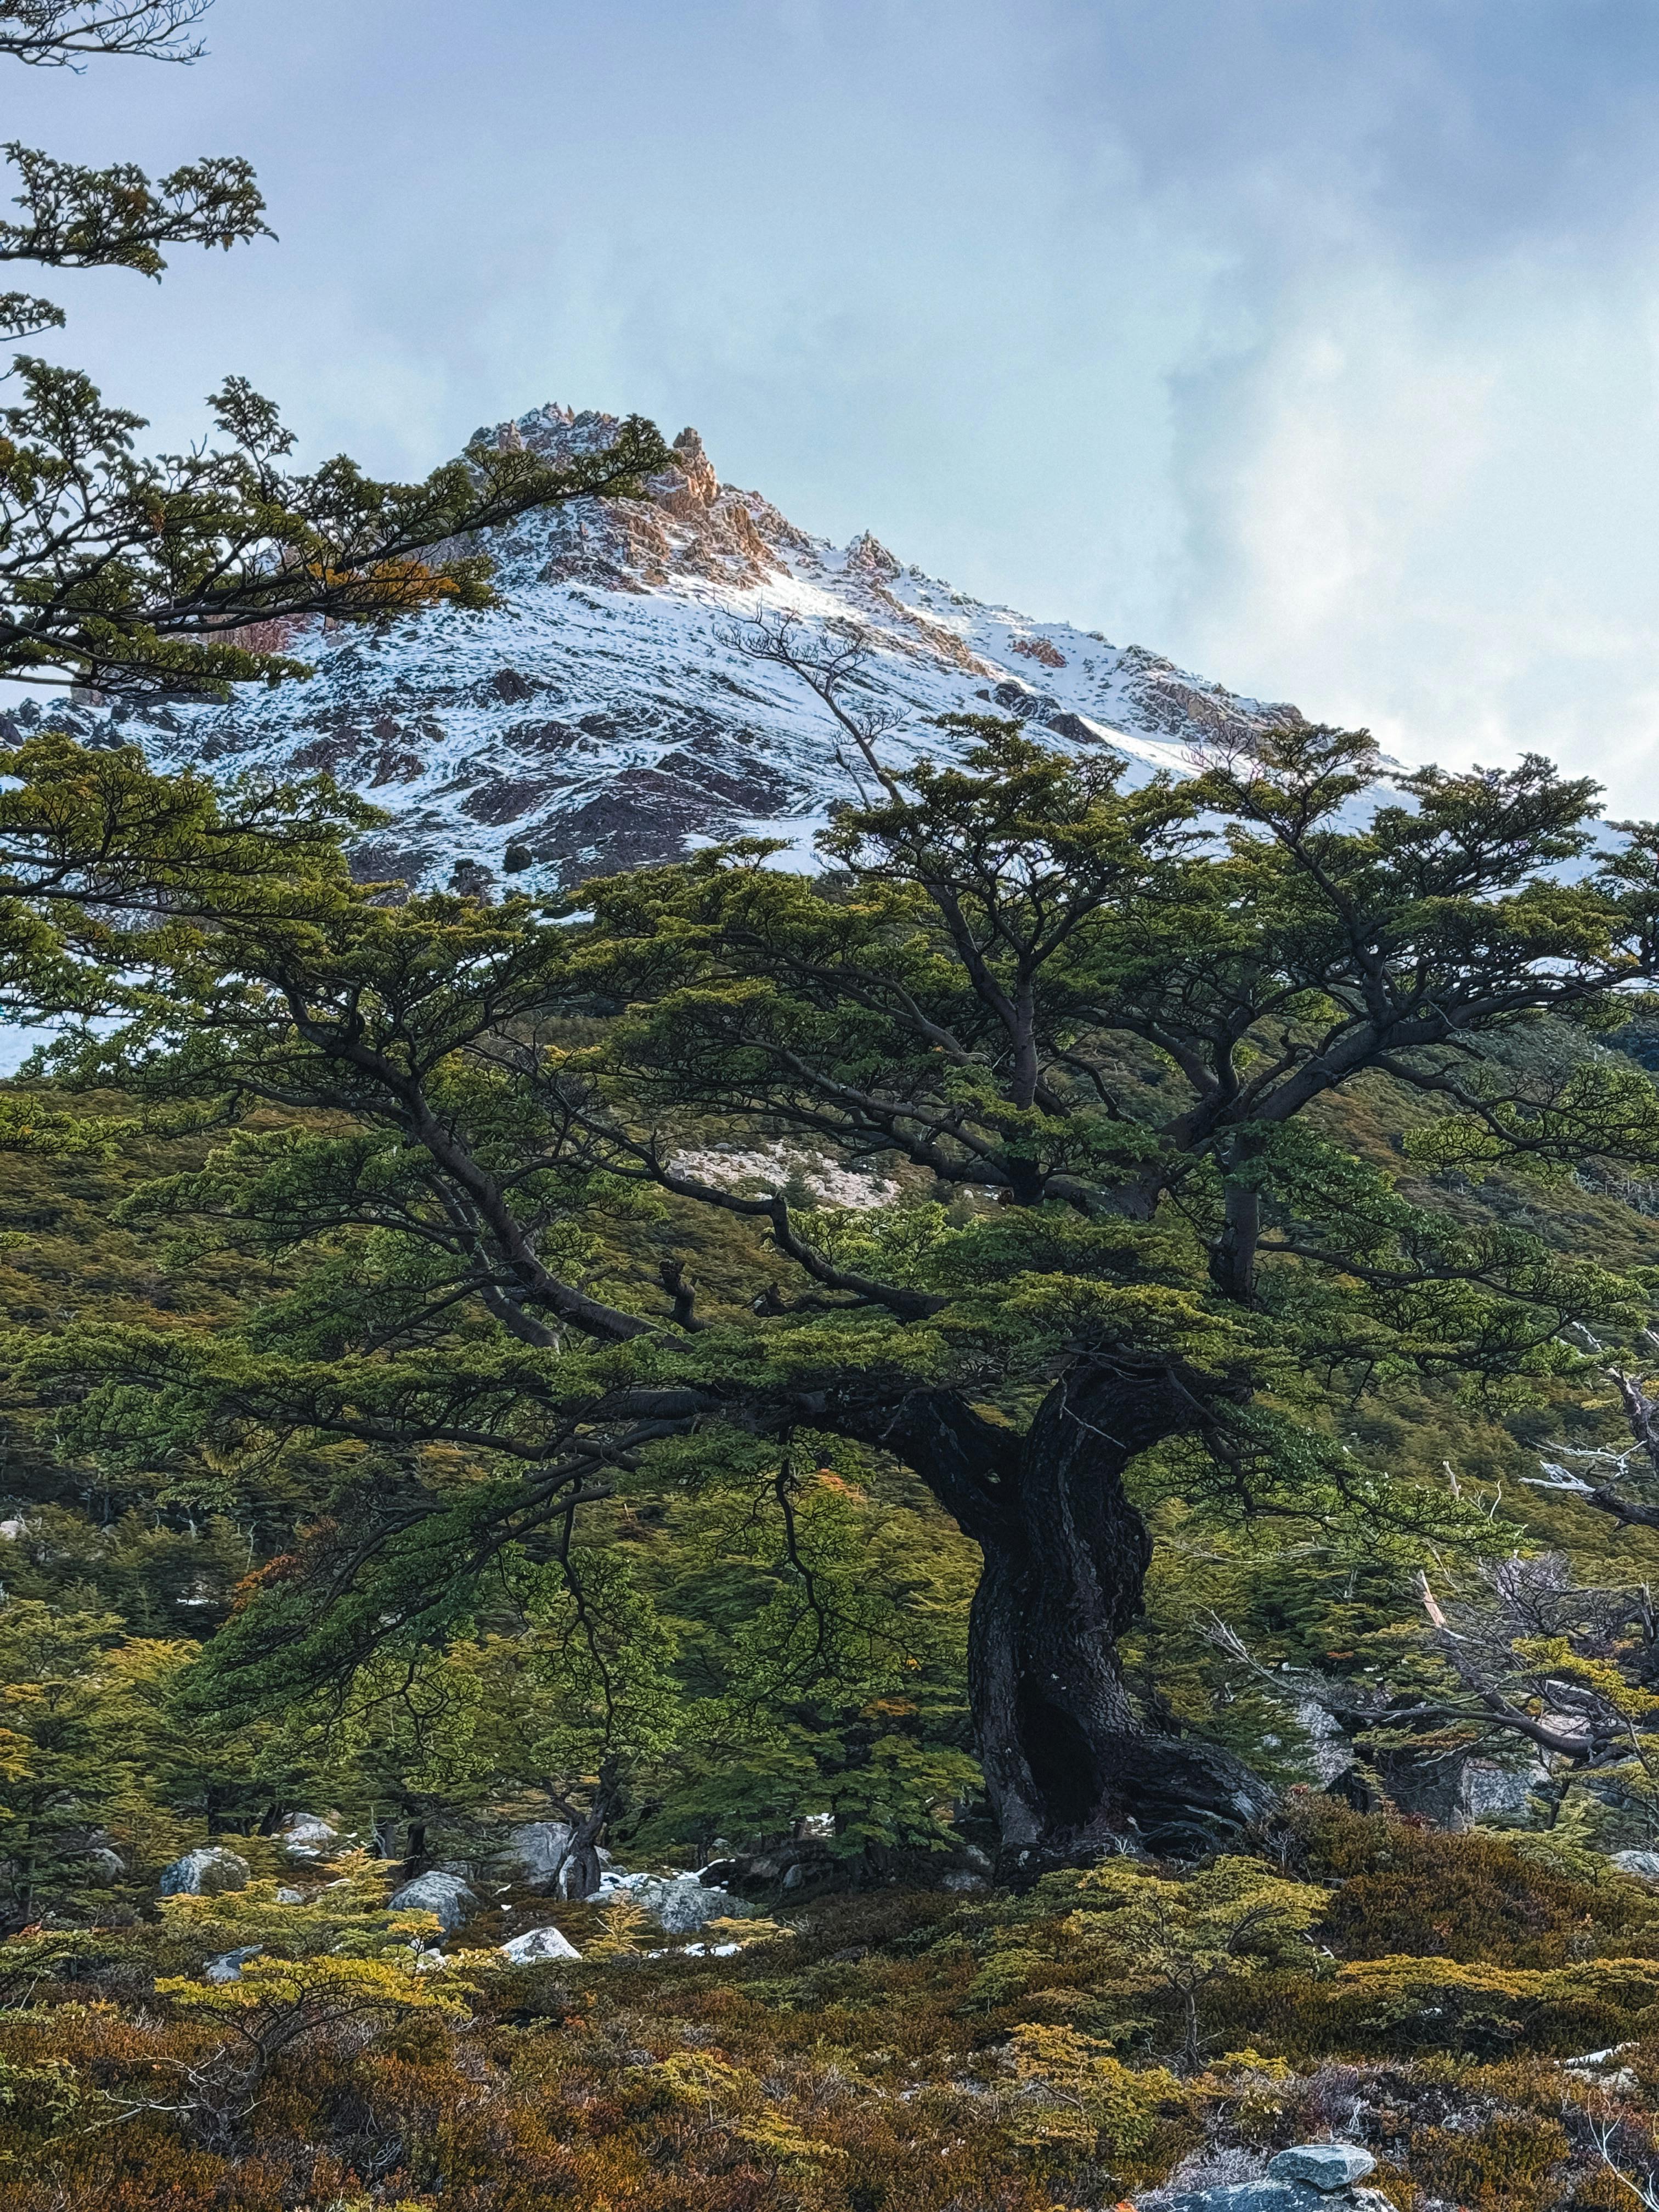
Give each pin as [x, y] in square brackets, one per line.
[1070, 1767]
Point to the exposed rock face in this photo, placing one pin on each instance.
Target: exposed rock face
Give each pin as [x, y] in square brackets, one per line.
[541, 1851]
[1328, 2166]
[203, 1872]
[447, 1894]
[603, 718]
[228, 1967]
[1453, 1791]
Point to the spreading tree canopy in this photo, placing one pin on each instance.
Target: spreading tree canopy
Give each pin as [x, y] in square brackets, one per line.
[1088, 1037]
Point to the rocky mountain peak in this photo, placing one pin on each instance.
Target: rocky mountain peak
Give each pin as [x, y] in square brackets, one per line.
[605, 714]
[868, 553]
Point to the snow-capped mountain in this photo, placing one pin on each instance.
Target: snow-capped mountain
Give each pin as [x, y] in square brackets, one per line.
[605, 716]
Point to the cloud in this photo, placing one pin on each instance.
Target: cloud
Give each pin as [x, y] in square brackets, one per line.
[1311, 343]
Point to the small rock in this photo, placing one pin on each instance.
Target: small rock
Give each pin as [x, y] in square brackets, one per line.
[287, 1896]
[540, 1943]
[203, 1872]
[308, 1836]
[970, 1884]
[447, 1894]
[796, 1877]
[1326, 2165]
[104, 1865]
[228, 1967]
[1643, 1864]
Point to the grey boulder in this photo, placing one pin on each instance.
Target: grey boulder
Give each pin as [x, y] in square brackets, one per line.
[446, 1894]
[1326, 2164]
[537, 1944]
[679, 1904]
[1308, 2178]
[1643, 1864]
[203, 1872]
[307, 1836]
[228, 1967]
[541, 1848]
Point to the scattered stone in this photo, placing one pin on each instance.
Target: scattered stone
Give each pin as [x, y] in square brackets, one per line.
[228, 1967]
[679, 1904]
[448, 1895]
[287, 1896]
[1326, 2165]
[203, 1872]
[307, 1836]
[538, 1943]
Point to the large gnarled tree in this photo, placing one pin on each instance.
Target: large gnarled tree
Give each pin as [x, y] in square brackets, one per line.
[1092, 1033]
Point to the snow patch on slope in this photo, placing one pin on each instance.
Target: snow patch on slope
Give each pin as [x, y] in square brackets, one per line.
[602, 718]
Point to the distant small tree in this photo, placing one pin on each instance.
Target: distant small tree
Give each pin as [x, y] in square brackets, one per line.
[1229, 1920]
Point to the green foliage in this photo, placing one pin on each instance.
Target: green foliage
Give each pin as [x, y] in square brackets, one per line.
[188, 573]
[86, 1753]
[1232, 1919]
[151, 577]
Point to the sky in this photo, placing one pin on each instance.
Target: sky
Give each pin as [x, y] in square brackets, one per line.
[1312, 342]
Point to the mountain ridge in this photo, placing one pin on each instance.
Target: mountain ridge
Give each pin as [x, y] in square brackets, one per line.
[605, 716]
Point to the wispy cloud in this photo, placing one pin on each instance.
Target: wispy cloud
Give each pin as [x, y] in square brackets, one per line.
[1310, 341]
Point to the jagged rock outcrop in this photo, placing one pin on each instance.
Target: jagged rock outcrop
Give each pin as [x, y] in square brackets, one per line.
[603, 717]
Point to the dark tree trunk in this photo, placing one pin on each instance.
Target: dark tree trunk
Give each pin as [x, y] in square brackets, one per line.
[580, 1871]
[1070, 1767]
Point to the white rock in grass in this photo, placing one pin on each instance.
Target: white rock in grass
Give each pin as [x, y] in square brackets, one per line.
[537, 1944]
